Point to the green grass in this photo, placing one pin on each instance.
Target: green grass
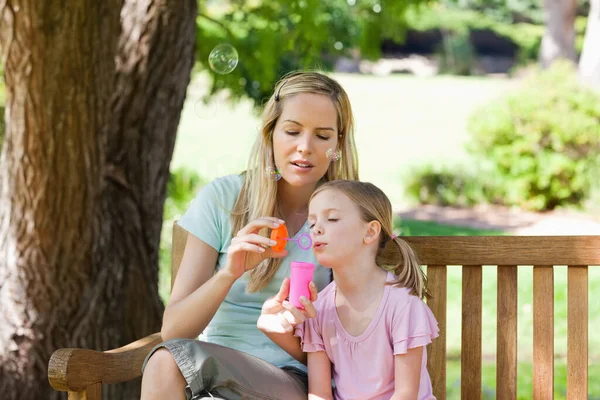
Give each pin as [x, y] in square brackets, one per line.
[430, 228]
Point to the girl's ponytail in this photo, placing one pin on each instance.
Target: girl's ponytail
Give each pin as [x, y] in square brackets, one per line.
[405, 265]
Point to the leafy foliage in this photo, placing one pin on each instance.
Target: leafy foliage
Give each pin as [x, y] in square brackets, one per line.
[543, 141]
[275, 37]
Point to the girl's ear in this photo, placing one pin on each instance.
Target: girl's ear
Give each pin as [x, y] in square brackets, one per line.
[372, 233]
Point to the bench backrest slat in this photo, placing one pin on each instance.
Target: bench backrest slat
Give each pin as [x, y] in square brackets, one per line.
[470, 359]
[543, 332]
[506, 343]
[577, 332]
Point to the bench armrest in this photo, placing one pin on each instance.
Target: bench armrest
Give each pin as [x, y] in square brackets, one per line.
[76, 369]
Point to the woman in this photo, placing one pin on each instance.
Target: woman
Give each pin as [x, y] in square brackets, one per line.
[228, 269]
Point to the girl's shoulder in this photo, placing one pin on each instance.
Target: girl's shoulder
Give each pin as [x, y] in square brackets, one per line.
[401, 299]
[325, 296]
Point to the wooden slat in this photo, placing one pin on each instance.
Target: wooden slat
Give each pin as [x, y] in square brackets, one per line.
[470, 359]
[93, 392]
[507, 250]
[179, 238]
[436, 353]
[577, 336]
[506, 359]
[543, 332]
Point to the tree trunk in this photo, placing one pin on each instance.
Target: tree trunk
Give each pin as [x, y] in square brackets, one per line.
[559, 38]
[589, 65]
[94, 95]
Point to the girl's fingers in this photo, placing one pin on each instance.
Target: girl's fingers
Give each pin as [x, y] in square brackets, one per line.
[309, 308]
[313, 291]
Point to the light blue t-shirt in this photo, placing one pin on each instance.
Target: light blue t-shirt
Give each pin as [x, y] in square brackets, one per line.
[234, 324]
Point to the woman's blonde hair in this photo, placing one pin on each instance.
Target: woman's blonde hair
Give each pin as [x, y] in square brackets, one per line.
[393, 253]
[258, 196]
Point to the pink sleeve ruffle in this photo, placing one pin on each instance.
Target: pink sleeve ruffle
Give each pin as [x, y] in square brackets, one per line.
[416, 327]
[310, 338]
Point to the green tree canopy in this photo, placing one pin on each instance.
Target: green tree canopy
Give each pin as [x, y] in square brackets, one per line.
[275, 37]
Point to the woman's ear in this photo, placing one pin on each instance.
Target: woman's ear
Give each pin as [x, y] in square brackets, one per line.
[372, 233]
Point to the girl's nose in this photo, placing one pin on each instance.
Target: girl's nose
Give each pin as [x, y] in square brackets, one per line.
[317, 230]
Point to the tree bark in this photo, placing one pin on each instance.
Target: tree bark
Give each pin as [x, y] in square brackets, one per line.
[559, 38]
[589, 64]
[94, 95]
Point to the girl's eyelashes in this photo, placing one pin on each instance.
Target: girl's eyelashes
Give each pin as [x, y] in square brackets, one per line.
[312, 225]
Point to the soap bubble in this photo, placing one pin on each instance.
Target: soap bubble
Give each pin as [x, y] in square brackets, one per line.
[304, 242]
[223, 59]
[205, 110]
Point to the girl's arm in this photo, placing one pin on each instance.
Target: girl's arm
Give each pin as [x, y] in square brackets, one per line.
[319, 376]
[407, 374]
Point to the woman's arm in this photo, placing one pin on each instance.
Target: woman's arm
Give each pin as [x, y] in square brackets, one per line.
[199, 291]
[196, 284]
[319, 376]
[407, 374]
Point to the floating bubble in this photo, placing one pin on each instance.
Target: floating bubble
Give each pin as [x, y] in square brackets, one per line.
[223, 59]
[304, 241]
[204, 110]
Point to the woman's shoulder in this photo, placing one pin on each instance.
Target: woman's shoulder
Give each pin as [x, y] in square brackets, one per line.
[227, 184]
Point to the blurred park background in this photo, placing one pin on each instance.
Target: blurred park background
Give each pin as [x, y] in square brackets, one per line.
[477, 117]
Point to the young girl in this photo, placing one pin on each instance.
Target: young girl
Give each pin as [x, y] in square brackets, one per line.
[371, 326]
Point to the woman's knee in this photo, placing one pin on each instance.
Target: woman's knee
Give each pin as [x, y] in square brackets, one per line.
[162, 373]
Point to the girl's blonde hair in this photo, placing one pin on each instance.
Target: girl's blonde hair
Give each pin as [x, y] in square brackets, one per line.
[258, 196]
[393, 253]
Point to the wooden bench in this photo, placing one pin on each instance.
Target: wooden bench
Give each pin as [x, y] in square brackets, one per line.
[81, 372]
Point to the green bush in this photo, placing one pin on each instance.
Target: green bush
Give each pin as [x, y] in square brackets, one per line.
[451, 186]
[181, 189]
[543, 140]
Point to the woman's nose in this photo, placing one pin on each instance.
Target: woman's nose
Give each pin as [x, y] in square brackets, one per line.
[305, 143]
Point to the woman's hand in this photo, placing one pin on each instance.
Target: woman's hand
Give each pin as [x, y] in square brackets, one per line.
[279, 316]
[248, 248]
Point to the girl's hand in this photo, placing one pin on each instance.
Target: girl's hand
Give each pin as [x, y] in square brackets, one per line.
[248, 248]
[279, 316]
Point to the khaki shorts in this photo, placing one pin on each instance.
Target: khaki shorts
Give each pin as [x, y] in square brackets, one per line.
[218, 372]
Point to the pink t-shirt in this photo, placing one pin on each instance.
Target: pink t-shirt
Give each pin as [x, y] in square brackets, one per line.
[363, 366]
